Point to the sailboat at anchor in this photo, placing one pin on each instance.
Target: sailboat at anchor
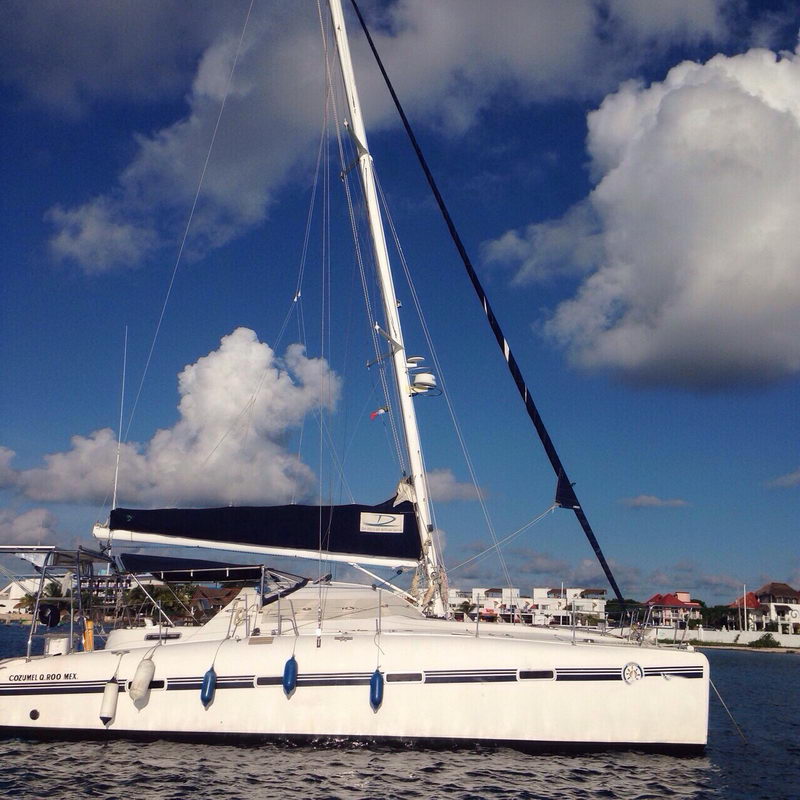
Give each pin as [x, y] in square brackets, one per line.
[288, 657]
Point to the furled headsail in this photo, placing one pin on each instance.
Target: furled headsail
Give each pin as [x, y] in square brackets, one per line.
[385, 534]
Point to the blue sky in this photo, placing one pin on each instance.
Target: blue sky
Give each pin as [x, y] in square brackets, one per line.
[625, 175]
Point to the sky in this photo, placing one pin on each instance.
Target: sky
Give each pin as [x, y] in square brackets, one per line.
[624, 174]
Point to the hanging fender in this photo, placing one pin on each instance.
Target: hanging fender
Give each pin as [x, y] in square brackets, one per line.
[376, 690]
[208, 688]
[140, 685]
[108, 708]
[290, 676]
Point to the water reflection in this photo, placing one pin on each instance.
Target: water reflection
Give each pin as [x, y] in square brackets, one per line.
[176, 770]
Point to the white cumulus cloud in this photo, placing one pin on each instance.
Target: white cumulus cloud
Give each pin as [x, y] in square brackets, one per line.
[444, 486]
[652, 501]
[229, 445]
[786, 481]
[66, 55]
[691, 227]
[449, 60]
[91, 236]
[542, 250]
[35, 526]
[7, 475]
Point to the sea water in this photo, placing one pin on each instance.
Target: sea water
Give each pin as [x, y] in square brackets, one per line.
[762, 691]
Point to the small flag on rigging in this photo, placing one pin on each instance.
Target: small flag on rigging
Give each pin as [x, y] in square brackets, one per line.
[378, 412]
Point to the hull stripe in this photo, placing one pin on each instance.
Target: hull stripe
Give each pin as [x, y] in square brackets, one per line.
[355, 679]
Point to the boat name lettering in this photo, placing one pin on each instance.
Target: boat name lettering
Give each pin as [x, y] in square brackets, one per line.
[44, 676]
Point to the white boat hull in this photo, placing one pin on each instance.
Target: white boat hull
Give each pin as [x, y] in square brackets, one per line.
[441, 682]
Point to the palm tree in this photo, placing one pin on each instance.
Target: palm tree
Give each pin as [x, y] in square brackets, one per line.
[466, 607]
[27, 603]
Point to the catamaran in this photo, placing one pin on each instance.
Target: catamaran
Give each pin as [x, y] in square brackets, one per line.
[293, 658]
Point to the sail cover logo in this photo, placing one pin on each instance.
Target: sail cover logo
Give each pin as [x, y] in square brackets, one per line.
[381, 523]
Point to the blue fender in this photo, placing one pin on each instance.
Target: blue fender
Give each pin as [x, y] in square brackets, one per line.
[209, 687]
[376, 690]
[290, 676]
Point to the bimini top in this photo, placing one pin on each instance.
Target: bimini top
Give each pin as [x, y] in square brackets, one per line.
[52, 555]
[384, 534]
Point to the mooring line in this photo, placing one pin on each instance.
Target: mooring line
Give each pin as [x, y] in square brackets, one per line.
[735, 724]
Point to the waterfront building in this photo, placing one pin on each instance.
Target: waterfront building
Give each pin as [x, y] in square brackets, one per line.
[674, 609]
[544, 606]
[754, 617]
[14, 593]
[781, 606]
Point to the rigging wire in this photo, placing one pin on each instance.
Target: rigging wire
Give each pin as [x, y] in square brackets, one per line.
[298, 292]
[325, 184]
[330, 104]
[179, 257]
[324, 299]
[388, 394]
[504, 540]
[119, 430]
[443, 386]
[295, 307]
[121, 414]
[338, 462]
[565, 493]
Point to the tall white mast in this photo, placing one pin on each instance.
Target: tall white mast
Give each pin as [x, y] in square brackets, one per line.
[393, 332]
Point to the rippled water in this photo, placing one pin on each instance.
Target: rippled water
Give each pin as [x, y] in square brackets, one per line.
[761, 689]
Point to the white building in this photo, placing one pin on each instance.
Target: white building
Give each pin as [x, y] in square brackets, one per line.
[780, 604]
[562, 606]
[12, 594]
[545, 606]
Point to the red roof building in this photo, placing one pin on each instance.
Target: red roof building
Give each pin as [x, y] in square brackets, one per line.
[668, 609]
[750, 602]
[777, 593]
[672, 600]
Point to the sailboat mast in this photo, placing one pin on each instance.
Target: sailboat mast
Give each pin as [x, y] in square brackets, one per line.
[393, 332]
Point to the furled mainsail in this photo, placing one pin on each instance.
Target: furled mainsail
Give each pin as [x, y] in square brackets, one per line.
[381, 534]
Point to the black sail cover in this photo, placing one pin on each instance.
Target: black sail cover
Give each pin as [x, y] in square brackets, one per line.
[385, 531]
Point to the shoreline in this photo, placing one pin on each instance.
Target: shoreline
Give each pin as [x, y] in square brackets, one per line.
[723, 646]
